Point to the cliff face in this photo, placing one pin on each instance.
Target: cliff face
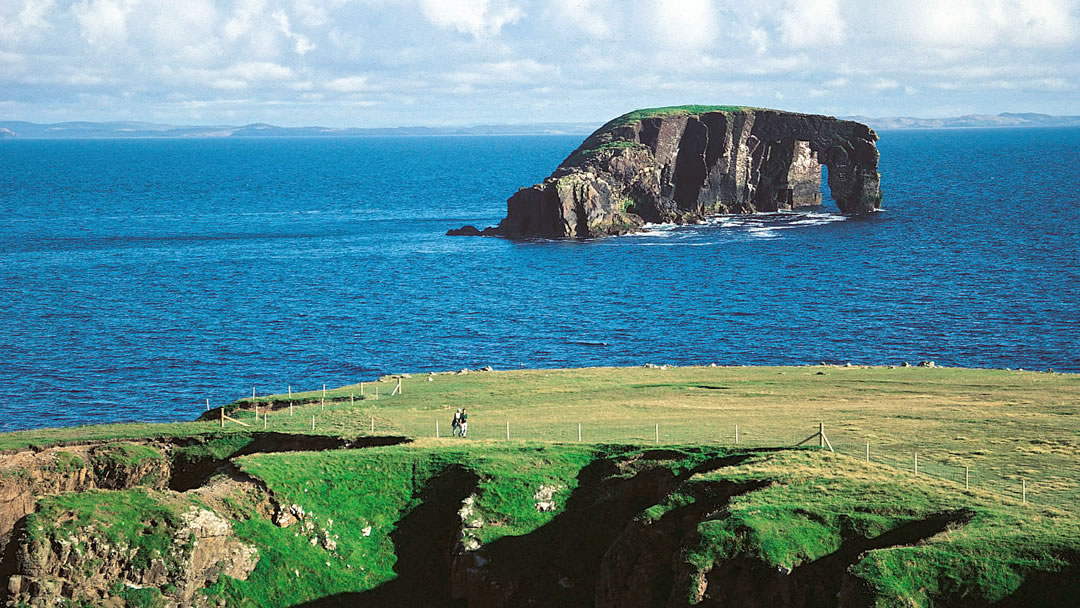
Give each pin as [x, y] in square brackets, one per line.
[681, 164]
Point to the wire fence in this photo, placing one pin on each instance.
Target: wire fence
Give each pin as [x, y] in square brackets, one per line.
[339, 413]
[908, 459]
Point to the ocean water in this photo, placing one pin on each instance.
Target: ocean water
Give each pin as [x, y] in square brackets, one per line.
[138, 278]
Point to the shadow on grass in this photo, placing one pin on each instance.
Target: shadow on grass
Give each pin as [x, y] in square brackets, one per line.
[556, 565]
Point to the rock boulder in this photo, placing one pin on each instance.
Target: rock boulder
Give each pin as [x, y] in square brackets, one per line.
[684, 163]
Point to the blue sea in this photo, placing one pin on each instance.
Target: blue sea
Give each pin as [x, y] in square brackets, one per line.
[140, 277]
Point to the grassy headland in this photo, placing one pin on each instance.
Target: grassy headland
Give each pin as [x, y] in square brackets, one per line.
[1006, 426]
[546, 515]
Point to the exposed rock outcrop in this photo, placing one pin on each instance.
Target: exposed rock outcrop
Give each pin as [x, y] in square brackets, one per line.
[682, 164]
[52, 571]
[26, 476]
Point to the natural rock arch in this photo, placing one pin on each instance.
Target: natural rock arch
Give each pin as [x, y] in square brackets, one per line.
[681, 164]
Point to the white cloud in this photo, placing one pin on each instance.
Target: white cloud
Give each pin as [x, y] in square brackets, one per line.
[986, 23]
[684, 25]
[244, 13]
[884, 84]
[809, 23]
[103, 22]
[301, 43]
[262, 70]
[348, 84]
[519, 60]
[480, 18]
[33, 13]
[594, 18]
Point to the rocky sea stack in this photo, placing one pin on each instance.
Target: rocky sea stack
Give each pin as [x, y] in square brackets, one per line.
[681, 164]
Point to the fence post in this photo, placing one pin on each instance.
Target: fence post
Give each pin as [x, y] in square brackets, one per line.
[373, 425]
[916, 463]
[264, 421]
[208, 405]
[579, 431]
[736, 434]
[223, 416]
[313, 422]
[821, 435]
[508, 430]
[436, 429]
[867, 451]
[658, 433]
[966, 478]
[290, 408]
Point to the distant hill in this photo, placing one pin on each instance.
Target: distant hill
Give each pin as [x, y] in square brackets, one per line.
[129, 129]
[1005, 119]
[96, 130]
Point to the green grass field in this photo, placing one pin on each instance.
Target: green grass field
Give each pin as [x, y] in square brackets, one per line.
[1007, 427]
[912, 539]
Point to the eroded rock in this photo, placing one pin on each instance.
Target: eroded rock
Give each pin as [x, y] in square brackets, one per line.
[674, 165]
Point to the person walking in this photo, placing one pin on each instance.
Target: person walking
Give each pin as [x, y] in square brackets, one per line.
[464, 422]
[455, 426]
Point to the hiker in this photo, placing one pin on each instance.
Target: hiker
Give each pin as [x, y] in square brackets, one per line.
[456, 424]
[464, 422]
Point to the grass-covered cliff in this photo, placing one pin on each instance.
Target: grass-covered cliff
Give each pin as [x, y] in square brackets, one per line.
[193, 514]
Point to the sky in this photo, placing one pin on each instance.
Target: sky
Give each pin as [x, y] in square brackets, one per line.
[376, 63]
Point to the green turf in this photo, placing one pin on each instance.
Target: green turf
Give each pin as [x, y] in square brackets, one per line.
[807, 505]
[1007, 427]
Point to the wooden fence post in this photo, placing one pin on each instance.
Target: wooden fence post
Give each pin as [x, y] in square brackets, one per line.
[657, 433]
[821, 435]
[208, 405]
[916, 463]
[579, 431]
[867, 451]
[313, 422]
[290, 391]
[966, 486]
[508, 430]
[373, 425]
[736, 434]
[223, 416]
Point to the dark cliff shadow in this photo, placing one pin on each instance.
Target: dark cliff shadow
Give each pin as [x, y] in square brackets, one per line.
[1047, 589]
[8, 553]
[556, 565]
[424, 541]
[823, 582]
[188, 475]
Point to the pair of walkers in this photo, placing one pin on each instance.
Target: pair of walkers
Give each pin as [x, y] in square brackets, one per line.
[461, 422]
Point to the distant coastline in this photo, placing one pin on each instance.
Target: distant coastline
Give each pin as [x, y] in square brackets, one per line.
[143, 130]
